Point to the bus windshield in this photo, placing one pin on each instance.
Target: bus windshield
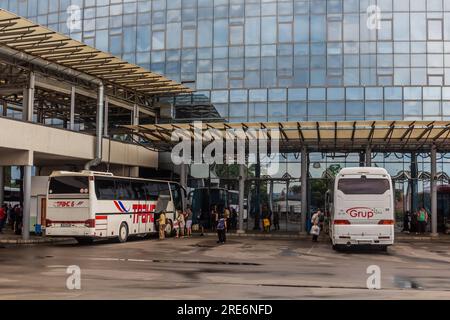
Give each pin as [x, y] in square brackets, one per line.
[68, 185]
[363, 186]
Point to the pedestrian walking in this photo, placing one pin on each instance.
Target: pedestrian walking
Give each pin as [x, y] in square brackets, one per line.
[188, 221]
[18, 214]
[180, 224]
[222, 229]
[227, 216]
[3, 216]
[162, 225]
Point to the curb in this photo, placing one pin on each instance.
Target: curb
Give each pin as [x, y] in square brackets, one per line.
[33, 241]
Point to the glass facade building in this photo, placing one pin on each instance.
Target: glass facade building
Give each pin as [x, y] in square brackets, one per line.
[284, 60]
[264, 60]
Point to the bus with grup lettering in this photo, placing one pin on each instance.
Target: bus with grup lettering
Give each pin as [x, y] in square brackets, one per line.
[91, 205]
[361, 208]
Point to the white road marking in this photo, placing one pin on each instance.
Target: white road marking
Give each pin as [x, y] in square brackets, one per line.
[310, 250]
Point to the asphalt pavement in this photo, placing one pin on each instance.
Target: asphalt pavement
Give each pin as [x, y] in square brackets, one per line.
[243, 268]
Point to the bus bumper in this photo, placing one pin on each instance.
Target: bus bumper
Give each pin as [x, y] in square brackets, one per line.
[70, 232]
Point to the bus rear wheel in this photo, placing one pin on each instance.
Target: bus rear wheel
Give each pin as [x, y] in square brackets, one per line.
[123, 233]
[169, 231]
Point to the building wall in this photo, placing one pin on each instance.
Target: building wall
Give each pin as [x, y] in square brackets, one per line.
[245, 54]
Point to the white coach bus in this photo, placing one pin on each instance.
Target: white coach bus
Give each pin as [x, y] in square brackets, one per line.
[361, 207]
[90, 205]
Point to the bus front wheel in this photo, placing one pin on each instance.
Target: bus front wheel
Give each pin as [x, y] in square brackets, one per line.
[123, 233]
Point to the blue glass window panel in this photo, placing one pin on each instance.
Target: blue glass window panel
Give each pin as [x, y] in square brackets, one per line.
[158, 40]
[101, 40]
[413, 108]
[252, 31]
[257, 110]
[336, 109]
[204, 33]
[238, 95]
[219, 96]
[374, 93]
[116, 9]
[419, 27]
[432, 93]
[434, 5]
[173, 35]
[277, 94]
[189, 15]
[297, 109]
[220, 32]
[401, 26]
[446, 108]
[301, 28]
[259, 95]
[189, 38]
[374, 109]
[318, 30]
[268, 50]
[158, 56]
[204, 80]
[335, 94]
[236, 35]
[268, 30]
[392, 93]
[318, 77]
[238, 110]
[159, 4]
[431, 108]
[285, 32]
[297, 94]
[355, 109]
[276, 110]
[32, 7]
[355, 94]
[393, 108]
[115, 45]
[316, 109]
[316, 94]
[174, 4]
[412, 93]
[446, 93]
[144, 6]
[268, 9]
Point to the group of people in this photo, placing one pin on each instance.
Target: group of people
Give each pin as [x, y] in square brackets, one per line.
[416, 222]
[269, 218]
[12, 217]
[182, 224]
[317, 224]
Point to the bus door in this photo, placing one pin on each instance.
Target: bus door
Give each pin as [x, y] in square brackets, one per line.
[140, 208]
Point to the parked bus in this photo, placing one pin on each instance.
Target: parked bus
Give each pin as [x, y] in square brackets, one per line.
[361, 207]
[90, 205]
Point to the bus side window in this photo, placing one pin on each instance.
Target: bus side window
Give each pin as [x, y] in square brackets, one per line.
[177, 196]
[139, 190]
[105, 189]
[124, 190]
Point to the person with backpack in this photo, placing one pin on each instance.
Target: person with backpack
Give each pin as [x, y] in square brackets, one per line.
[221, 229]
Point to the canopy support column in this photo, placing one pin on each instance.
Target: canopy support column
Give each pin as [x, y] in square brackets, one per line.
[304, 189]
[434, 232]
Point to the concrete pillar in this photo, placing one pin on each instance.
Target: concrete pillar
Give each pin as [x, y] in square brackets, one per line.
[241, 198]
[414, 183]
[184, 174]
[433, 184]
[72, 108]
[26, 202]
[304, 186]
[5, 108]
[106, 116]
[28, 99]
[2, 185]
[368, 157]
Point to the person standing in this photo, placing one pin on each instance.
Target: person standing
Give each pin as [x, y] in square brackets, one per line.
[276, 220]
[18, 214]
[227, 215]
[422, 219]
[407, 222]
[214, 218]
[222, 229]
[162, 226]
[180, 223]
[3, 215]
[315, 229]
[188, 221]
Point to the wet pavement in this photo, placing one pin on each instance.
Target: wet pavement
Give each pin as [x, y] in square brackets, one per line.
[244, 268]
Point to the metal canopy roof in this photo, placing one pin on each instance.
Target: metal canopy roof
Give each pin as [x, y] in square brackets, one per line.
[25, 36]
[340, 136]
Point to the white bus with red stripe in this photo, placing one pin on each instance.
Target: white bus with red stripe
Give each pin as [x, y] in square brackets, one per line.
[90, 205]
[361, 207]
